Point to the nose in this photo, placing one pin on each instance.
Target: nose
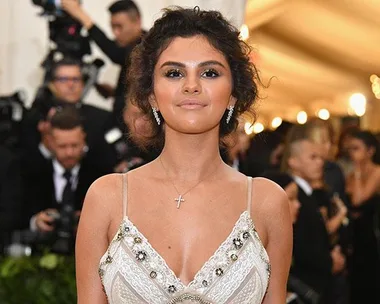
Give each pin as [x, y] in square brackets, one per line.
[192, 85]
[70, 152]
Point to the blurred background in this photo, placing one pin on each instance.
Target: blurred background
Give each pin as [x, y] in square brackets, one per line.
[318, 54]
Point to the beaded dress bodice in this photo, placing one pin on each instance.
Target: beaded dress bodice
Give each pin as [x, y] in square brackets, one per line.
[238, 272]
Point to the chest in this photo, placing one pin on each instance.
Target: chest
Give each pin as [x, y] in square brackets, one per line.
[240, 260]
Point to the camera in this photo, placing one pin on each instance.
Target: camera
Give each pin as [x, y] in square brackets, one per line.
[50, 7]
[63, 236]
[12, 110]
[64, 32]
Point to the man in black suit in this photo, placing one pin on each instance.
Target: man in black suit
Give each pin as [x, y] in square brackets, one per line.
[10, 195]
[66, 178]
[314, 261]
[127, 30]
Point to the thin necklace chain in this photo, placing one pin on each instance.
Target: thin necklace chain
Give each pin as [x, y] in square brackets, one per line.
[180, 198]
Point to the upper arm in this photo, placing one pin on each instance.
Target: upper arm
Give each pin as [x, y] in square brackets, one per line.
[92, 240]
[274, 209]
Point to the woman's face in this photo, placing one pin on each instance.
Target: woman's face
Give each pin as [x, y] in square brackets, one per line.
[358, 151]
[294, 204]
[192, 85]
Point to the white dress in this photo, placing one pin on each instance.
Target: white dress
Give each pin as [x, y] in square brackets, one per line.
[237, 273]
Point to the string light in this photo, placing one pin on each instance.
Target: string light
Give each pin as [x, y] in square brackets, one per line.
[276, 122]
[248, 128]
[375, 85]
[324, 114]
[258, 127]
[302, 117]
[244, 32]
[358, 104]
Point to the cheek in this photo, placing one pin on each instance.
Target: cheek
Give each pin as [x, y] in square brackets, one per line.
[218, 91]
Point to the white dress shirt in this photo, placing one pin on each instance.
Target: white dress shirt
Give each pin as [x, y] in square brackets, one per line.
[304, 185]
[60, 181]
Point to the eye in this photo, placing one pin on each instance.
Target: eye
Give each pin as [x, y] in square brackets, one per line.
[175, 73]
[210, 73]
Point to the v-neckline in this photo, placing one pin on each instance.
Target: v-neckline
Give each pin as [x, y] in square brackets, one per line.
[244, 214]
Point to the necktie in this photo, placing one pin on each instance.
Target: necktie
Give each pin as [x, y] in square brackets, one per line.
[68, 194]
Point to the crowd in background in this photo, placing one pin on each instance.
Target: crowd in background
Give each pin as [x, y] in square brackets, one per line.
[332, 180]
[333, 183]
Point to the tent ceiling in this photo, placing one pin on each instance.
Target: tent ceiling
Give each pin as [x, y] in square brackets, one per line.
[317, 52]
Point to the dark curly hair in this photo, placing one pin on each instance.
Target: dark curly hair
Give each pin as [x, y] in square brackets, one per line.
[370, 141]
[181, 22]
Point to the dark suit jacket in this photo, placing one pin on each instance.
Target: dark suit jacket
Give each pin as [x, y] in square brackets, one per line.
[312, 262]
[40, 190]
[10, 196]
[10, 191]
[95, 124]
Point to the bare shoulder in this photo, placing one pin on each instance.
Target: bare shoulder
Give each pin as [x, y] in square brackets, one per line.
[105, 192]
[270, 208]
[268, 196]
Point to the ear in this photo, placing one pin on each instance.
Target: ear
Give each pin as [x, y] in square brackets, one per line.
[292, 162]
[232, 102]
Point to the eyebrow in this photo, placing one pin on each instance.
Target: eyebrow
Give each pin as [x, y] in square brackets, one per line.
[202, 64]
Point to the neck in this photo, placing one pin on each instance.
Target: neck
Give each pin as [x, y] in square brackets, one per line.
[366, 166]
[299, 174]
[190, 158]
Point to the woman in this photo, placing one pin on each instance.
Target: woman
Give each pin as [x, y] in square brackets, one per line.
[186, 227]
[363, 186]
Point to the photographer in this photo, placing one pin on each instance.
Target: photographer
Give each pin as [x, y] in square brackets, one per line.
[126, 27]
[65, 90]
[65, 179]
[10, 195]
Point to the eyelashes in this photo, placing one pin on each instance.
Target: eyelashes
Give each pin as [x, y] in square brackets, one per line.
[177, 73]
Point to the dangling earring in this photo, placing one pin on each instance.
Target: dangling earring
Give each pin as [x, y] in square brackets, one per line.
[155, 114]
[230, 112]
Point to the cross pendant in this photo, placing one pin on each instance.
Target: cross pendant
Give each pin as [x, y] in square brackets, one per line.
[179, 200]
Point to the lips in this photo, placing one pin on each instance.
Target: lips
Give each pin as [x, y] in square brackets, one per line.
[191, 104]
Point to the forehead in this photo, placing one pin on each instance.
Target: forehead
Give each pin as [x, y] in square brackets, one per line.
[121, 17]
[67, 135]
[68, 70]
[191, 50]
[356, 141]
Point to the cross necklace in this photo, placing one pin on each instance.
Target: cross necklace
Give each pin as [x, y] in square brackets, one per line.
[180, 199]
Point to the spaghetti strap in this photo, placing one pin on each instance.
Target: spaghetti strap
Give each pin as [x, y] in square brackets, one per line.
[125, 195]
[249, 194]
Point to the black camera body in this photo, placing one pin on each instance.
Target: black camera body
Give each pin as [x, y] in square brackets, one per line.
[63, 236]
[12, 110]
[50, 7]
[65, 33]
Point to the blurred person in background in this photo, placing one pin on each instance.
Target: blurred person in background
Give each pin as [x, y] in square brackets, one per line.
[363, 188]
[11, 195]
[264, 153]
[315, 261]
[322, 133]
[298, 291]
[66, 87]
[127, 30]
[65, 178]
[329, 192]
[237, 145]
[343, 158]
